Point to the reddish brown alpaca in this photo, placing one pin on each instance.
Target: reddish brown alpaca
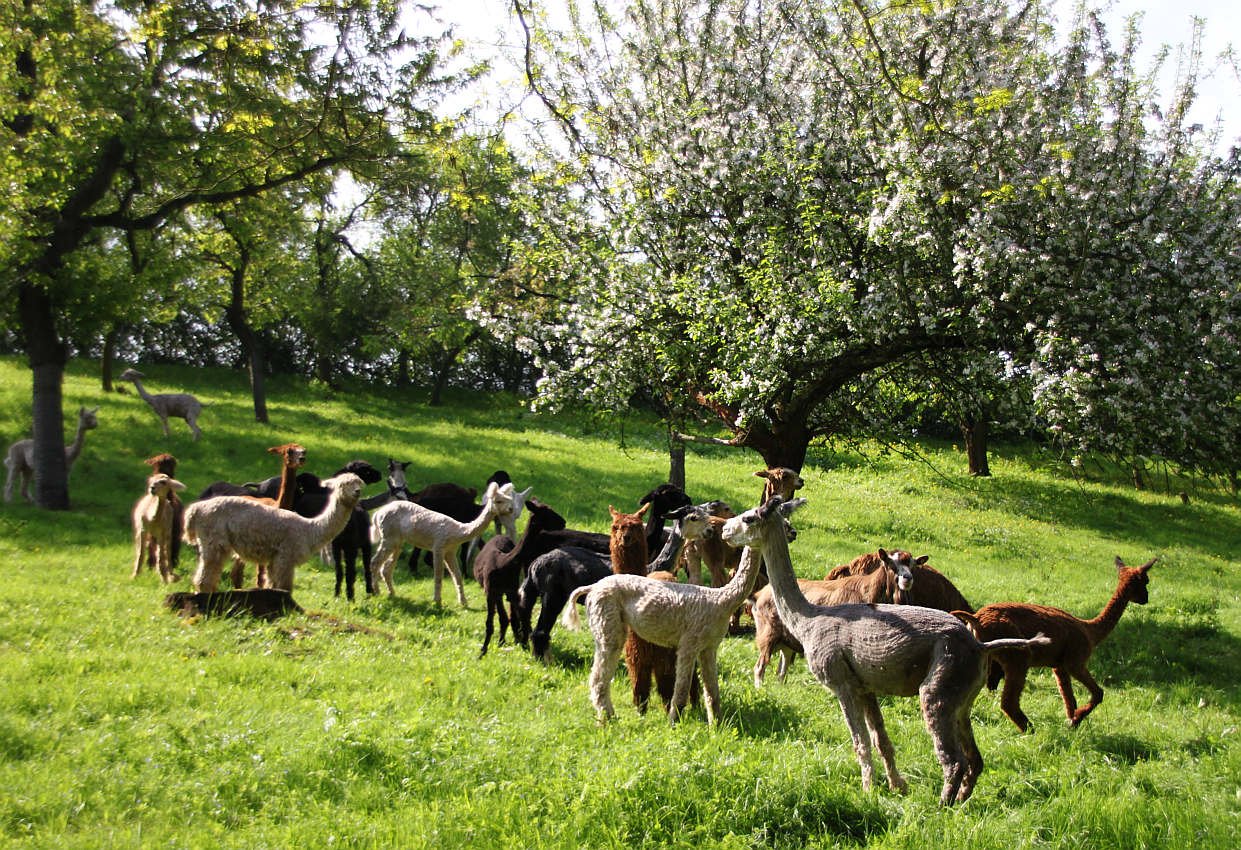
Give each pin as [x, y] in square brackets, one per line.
[167, 464]
[931, 588]
[643, 660]
[1072, 643]
[292, 457]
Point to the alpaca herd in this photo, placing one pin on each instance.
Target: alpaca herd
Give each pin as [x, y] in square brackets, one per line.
[885, 624]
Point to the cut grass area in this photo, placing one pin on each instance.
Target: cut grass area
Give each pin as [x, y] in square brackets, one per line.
[121, 725]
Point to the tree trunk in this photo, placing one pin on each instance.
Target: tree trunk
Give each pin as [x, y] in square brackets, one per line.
[975, 430]
[258, 378]
[235, 314]
[676, 462]
[47, 356]
[108, 360]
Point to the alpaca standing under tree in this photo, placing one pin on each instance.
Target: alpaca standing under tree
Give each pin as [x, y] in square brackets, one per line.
[861, 652]
[20, 458]
[177, 405]
[1073, 641]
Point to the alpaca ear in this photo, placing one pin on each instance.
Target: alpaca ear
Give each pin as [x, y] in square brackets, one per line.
[175, 484]
[525, 494]
[763, 473]
[883, 554]
[642, 510]
[922, 559]
[1146, 567]
[614, 512]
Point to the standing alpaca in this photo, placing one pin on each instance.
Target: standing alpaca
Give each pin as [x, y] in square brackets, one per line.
[153, 527]
[354, 540]
[862, 652]
[398, 523]
[691, 618]
[892, 576]
[720, 558]
[178, 405]
[166, 464]
[1073, 641]
[264, 534]
[628, 546]
[20, 459]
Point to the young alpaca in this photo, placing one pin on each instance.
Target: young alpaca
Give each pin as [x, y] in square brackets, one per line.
[20, 459]
[178, 405]
[1072, 643]
[153, 527]
[166, 464]
[891, 576]
[398, 523]
[691, 618]
[864, 651]
[264, 534]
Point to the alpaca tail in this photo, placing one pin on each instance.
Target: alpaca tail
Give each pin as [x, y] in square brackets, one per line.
[570, 618]
[1001, 644]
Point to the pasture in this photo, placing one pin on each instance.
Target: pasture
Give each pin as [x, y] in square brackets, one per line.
[375, 724]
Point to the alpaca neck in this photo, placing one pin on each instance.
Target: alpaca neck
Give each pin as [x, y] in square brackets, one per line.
[671, 553]
[75, 448]
[288, 488]
[628, 560]
[523, 552]
[475, 526]
[331, 521]
[1101, 626]
[142, 392]
[791, 603]
[741, 584]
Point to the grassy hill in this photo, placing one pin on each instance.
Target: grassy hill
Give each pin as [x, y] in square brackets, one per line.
[121, 725]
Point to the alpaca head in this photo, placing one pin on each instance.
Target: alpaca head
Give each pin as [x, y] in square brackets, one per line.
[293, 454]
[781, 481]
[665, 498]
[627, 529]
[694, 522]
[1133, 580]
[362, 469]
[87, 419]
[719, 508]
[163, 463]
[348, 486]
[547, 519]
[132, 375]
[901, 564]
[396, 474]
[749, 528]
[160, 485]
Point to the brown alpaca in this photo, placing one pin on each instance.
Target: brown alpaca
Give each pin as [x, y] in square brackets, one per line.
[1072, 643]
[720, 558]
[931, 588]
[643, 660]
[165, 464]
[779, 481]
[293, 458]
[152, 520]
[875, 577]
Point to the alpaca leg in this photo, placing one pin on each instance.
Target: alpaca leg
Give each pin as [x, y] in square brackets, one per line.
[140, 544]
[192, 421]
[708, 667]
[238, 574]
[365, 553]
[553, 602]
[687, 656]
[855, 719]
[609, 632]
[638, 664]
[760, 666]
[1066, 687]
[502, 616]
[973, 758]
[163, 420]
[488, 629]
[448, 558]
[939, 713]
[10, 478]
[880, 741]
[786, 658]
[210, 565]
[1010, 697]
[381, 565]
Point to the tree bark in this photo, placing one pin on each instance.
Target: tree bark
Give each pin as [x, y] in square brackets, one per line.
[47, 356]
[108, 359]
[975, 431]
[676, 461]
[235, 314]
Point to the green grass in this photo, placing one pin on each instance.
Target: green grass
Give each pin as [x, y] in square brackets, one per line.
[123, 726]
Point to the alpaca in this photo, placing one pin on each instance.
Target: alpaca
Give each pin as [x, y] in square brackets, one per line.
[552, 577]
[264, 534]
[354, 540]
[152, 518]
[691, 618]
[397, 523]
[662, 500]
[931, 588]
[721, 559]
[166, 464]
[863, 651]
[398, 489]
[501, 564]
[457, 502]
[20, 459]
[628, 546]
[178, 405]
[1072, 643]
[891, 575]
[691, 524]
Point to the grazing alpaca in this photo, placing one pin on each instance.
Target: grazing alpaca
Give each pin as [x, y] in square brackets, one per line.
[152, 518]
[166, 464]
[398, 523]
[20, 459]
[552, 577]
[1072, 643]
[691, 618]
[863, 651]
[178, 405]
[501, 564]
[264, 534]
[891, 575]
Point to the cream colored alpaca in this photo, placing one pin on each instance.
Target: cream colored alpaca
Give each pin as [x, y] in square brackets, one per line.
[253, 531]
[690, 618]
[152, 516]
[398, 523]
[177, 405]
[20, 459]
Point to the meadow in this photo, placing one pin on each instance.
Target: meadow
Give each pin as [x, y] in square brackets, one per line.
[122, 725]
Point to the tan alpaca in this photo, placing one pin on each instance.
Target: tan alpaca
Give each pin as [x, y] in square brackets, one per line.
[153, 525]
[20, 459]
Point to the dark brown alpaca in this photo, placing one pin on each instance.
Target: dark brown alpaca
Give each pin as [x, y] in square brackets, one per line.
[167, 464]
[931, 588]
[1072, 643]
[293, 458]
[643, 660]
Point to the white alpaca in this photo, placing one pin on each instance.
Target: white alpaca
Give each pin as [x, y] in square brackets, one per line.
[178, 405]
[398, 523]
[227, 525]
[152, 516]
[689, 618]
[20, 459]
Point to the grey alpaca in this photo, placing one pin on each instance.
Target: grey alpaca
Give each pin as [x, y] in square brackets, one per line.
[862, 652]
[177, 405]
[20, 459]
